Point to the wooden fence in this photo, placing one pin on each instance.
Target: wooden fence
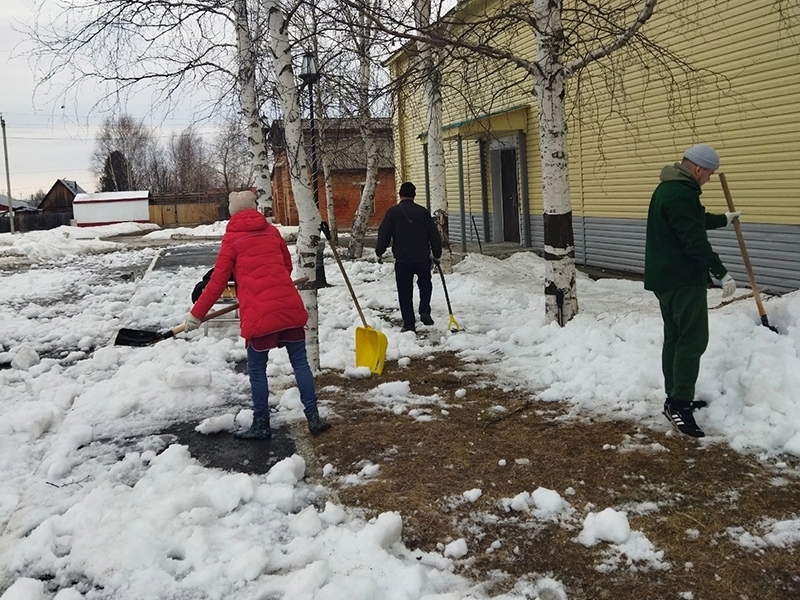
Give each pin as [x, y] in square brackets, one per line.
[178, 210]
[34, 221]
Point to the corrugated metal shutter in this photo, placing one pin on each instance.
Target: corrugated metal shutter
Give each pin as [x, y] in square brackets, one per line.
[773, 249]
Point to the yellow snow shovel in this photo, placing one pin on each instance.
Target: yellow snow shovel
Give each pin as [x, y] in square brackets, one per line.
[370, 343]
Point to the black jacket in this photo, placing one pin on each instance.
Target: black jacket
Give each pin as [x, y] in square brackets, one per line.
[411, 230]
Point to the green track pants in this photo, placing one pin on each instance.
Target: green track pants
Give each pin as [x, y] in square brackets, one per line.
[685, 314]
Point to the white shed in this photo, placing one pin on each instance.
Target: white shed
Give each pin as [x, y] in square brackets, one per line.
[107, 208]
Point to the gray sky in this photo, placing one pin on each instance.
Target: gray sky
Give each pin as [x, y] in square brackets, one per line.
[41, 147]
[46, 141]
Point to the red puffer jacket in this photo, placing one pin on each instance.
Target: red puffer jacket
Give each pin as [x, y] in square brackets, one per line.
[258, 257]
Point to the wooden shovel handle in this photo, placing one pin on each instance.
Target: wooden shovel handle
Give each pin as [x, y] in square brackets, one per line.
[224, 311]
[745, 256]
[327, 233]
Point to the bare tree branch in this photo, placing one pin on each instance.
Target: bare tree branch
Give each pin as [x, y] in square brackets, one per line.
[621, 40]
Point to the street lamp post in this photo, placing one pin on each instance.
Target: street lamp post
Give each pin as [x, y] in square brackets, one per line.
[310, 75]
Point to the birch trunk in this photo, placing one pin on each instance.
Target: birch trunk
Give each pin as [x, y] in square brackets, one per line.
[330, 207]
[561, 300]
[308, 214]
[325, 158]
[432, 89]
[361, 218]
[367, 201]
[250, 109]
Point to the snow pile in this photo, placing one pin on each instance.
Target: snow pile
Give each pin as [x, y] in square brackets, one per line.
[155, 523]
[632, 547]
[396, 396]
[781, 534]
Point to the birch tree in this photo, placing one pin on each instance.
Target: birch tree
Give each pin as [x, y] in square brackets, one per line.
[321, 47]
[246, 78]
[596, 31]
[308, 237]
[177, 50]
[364, 39]
[549, 79]
[429, 60]
[327, 173]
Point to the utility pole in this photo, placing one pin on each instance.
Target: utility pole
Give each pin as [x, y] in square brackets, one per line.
[8, 176]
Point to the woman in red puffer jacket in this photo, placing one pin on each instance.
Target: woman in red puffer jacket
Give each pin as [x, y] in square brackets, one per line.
[271, 311]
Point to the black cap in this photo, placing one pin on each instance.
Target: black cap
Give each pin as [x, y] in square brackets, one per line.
[407, 190]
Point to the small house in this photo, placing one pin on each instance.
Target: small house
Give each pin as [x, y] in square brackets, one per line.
[59, 198]
[107, 208]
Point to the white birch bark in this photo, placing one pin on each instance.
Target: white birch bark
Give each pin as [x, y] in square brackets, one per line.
[367, 201]
[561, 300]
[309, 218]
[325, 159]
[329, 203]
[250, 109]
[432, 89]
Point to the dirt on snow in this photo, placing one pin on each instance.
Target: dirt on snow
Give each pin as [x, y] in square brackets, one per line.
[683, 495]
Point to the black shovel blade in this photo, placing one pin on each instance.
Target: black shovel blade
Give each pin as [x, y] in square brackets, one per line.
[140, 337]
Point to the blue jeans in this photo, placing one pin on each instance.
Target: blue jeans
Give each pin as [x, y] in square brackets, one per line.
[257, 370]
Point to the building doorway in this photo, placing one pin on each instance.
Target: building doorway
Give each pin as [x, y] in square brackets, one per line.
[505, 191]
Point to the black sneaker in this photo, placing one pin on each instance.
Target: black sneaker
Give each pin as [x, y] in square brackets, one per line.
[426, 319]
[682, 418]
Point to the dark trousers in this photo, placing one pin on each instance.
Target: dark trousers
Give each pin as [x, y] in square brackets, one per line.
[404, 276]
[685, 314]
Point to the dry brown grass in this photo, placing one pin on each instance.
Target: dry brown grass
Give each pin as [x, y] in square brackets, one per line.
[425, 466]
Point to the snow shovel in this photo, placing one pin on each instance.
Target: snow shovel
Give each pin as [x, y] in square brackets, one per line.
[745, 257]
[142, 337]
[453, 325]
[370, 343]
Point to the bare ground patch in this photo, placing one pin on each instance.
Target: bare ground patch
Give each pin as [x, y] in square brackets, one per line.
[682, 495]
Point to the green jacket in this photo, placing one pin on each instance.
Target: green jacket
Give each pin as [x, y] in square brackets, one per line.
[677, 251]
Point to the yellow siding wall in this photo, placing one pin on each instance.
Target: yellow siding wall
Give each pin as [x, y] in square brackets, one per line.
[745, 102]
[747, 108]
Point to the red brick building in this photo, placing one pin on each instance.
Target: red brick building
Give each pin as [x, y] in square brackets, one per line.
[343, 144]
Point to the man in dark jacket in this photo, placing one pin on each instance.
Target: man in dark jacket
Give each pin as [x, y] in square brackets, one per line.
[677, 263]
[410, 229]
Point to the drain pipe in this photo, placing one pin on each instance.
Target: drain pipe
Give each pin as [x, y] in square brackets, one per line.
[461, 203]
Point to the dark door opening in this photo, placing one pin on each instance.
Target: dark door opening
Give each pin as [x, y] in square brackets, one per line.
[510, 194]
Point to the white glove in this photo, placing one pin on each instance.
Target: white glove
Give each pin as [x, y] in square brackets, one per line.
[728, 286]
[732, 215]
[191, 323]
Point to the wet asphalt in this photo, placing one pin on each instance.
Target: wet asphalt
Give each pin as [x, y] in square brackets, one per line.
[221, 450]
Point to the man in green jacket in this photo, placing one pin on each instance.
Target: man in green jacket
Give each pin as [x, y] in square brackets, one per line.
[677, 263]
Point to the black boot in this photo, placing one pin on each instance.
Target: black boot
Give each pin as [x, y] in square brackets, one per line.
[258, 431]
[316, 424]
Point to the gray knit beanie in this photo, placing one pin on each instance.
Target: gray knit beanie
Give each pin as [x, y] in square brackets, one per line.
[238, 201]
[704, 156]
